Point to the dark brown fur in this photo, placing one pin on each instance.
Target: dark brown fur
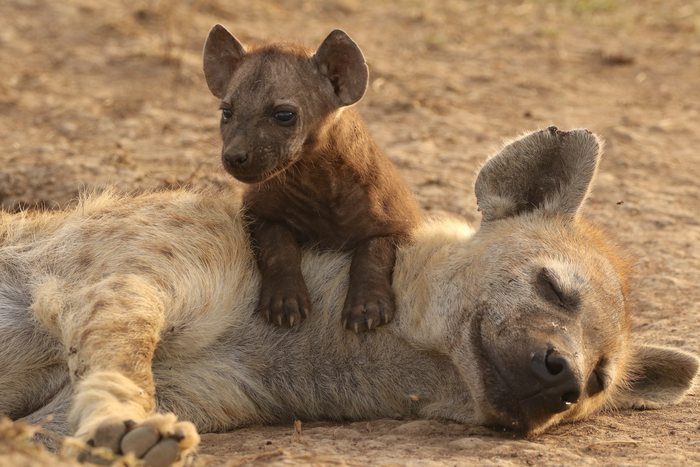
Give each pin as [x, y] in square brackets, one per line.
[317, 179]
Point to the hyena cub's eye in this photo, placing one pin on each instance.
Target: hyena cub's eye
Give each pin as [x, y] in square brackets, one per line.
[284, 117]
[226, 115]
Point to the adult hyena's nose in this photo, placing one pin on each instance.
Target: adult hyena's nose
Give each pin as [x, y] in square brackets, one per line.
[560, 383]
[234, 158]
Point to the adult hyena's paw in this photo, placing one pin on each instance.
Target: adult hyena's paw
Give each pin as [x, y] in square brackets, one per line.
[160, 440]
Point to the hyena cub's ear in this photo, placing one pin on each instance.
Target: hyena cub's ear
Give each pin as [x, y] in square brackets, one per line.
[341, 61]
[222, 55]
[658, 377]
[547, 170]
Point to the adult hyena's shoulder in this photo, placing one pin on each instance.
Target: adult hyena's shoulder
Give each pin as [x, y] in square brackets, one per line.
[109, 233]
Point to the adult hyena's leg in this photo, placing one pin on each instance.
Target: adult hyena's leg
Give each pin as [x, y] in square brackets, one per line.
[52, 416]
[32, 365]
[111, 339]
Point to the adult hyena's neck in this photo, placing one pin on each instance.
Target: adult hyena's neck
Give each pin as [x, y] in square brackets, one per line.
[431, 284]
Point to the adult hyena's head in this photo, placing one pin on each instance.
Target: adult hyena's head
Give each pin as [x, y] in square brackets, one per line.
[548, 336]
[277, 99]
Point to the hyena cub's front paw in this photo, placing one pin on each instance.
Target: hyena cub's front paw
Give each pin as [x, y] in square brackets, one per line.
[160, 440]
[284, 300]
[368, 308]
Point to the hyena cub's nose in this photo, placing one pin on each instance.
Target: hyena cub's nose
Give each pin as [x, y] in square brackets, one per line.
[561, 386]
[236, 159]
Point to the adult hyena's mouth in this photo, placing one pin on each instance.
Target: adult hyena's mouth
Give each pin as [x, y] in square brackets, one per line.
[528, 386]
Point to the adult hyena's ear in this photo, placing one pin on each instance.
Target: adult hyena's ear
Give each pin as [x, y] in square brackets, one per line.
[548, 170]
[222, 55]
[341, 61]
[658, 377]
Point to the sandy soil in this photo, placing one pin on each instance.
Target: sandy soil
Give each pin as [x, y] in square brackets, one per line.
[98, 92]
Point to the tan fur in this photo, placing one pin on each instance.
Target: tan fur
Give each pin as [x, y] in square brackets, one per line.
[127, 308]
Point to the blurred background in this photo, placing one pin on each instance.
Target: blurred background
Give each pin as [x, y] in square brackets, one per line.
[96, 92]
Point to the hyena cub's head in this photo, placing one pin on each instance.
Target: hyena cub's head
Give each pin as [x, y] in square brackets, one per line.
[276, 98]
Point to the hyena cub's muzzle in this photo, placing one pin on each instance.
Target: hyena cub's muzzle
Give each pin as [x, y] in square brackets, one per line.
[240, 161]
[243, 166]
[254, 163]
[235, 159]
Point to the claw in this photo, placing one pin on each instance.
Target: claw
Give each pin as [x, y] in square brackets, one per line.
[179, 435]
[357, 328]
[291, 321]
[279, 320]
[266, 314]
[369, 323]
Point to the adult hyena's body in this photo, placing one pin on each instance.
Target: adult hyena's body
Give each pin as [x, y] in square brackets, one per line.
[123, 306]
[73, 279]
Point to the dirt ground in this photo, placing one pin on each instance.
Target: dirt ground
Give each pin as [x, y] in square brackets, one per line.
[104, 92]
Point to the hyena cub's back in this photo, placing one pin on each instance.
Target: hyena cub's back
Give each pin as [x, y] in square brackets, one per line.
[316, 175]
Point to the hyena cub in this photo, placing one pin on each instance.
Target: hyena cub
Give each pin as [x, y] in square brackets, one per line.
[315, 174]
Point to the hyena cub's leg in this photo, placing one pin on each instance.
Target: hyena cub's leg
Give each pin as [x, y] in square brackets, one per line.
[111, 335]
[370, 300]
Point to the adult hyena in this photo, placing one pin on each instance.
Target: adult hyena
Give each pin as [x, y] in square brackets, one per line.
[123, 313]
